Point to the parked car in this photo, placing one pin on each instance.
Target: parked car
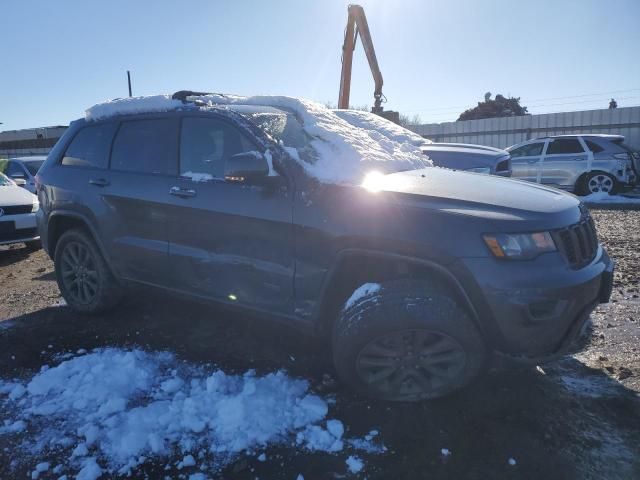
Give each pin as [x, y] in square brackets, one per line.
[583, 164]
[25, 168]
[417, 277]
[457, 156]
[18, 209]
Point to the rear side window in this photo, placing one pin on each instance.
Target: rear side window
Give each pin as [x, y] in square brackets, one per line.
[145, 146]
[564, 145]
[90, 146]
[594, 147]
[14, 170]
[207, 143]
[530, 150]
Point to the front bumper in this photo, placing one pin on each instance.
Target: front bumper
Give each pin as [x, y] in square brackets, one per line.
[535, 310]
[18, 228]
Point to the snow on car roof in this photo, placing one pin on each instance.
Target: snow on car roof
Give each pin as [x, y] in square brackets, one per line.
[345, 153]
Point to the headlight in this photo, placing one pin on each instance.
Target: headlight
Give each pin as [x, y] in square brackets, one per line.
[36, 207]
[519, 246]
[480, 170]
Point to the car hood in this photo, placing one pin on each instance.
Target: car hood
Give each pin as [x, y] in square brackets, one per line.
[14, 195]
[514, 203]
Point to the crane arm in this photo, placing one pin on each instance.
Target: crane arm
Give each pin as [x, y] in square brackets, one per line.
[357, 25]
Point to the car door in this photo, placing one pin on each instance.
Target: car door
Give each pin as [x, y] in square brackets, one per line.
[565, 159]
[136, 194]
[229, 241]
[525, 161]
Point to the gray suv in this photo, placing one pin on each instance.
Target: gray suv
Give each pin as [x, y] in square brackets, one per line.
[583, 164]
[418, 280]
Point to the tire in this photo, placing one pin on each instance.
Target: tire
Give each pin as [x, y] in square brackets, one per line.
[595, 182]
[407, 341]
[85, 281]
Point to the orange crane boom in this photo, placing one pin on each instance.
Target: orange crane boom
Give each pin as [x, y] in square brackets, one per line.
[357, 25]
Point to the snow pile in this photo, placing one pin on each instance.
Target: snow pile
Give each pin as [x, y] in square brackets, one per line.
[361, 291]
[376, 126]
[344, 153]
[132, 105]
[354, 464]
[605, 198]
[111, 409]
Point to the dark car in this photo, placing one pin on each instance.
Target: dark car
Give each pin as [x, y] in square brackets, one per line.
[418, 277]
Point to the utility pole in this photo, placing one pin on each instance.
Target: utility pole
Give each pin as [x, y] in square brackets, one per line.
[129, 82]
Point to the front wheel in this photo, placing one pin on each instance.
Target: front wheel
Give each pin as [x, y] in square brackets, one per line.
[408, 340]
[85, 281]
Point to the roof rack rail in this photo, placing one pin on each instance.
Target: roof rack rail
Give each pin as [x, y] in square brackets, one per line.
[183, 94]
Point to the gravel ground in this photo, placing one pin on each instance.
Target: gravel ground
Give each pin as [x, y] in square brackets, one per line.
[576, 418]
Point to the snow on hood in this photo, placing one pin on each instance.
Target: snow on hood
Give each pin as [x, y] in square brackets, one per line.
[376, 124]
[345, 152]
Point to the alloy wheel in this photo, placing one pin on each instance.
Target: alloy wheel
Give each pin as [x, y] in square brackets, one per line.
[411, 363]
[79, 273]
[600, 183]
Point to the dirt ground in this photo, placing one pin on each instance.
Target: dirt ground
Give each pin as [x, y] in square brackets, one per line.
[576, 418]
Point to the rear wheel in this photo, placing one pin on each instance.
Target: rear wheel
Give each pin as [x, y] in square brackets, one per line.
[83, 277]
[407, 341]
[597, 182]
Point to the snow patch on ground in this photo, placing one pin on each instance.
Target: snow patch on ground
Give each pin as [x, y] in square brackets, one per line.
[354, 464]
[605, 198]
[110, 409]
[361, 291]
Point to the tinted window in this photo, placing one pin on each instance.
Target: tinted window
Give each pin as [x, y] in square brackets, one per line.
[564, 145]
[594, 147]
[34, 166]
[530, 150]
[207, 143]
[15, 170]
[144, 146]
[90, 146]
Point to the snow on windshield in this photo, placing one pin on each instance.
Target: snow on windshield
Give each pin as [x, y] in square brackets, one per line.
[375, 125]
[344, 153]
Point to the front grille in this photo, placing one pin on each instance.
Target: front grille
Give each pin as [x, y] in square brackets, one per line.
[16, 209]
[578, 243]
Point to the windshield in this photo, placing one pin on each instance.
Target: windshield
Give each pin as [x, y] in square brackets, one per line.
[325, 151]
[4, 181]
[33, 166]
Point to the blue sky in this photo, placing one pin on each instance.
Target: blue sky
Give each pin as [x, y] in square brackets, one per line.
[437, 57]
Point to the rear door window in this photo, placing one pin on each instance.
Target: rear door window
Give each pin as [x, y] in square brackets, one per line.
[90, 147]
[594, 147]
[145, 146]
[529, 150]
[564, 146]
[206, 144]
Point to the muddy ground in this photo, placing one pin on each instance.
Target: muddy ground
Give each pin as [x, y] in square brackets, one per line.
[577, 418]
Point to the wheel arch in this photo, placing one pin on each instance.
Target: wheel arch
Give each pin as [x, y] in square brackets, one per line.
[62, 221]
[356, 266]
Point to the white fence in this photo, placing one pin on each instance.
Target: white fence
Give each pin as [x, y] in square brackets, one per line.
[506, 131]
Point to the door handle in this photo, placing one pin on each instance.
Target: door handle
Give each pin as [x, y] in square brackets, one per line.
[182, 192]
[99, 182]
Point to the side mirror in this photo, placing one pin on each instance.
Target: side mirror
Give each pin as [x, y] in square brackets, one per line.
[20, 181]
[246, 166]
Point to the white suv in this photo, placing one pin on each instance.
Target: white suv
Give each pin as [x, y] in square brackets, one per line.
[18, 209]
[583, 164]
